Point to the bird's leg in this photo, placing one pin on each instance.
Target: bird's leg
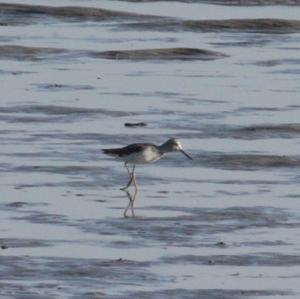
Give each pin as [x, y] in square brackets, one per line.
[130, 203]
[130, 177]
[134, 179]
[129, 173]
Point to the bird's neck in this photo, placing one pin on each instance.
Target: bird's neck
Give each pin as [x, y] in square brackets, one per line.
[164, 148]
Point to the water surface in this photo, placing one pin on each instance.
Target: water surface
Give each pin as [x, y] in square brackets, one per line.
[224, 79]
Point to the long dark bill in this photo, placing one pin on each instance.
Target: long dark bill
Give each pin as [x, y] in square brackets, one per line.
[186, 154]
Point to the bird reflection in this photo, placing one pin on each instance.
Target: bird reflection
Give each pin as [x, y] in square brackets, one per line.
[130, 206]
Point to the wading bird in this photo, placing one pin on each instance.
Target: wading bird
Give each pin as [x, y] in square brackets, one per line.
[143, 153]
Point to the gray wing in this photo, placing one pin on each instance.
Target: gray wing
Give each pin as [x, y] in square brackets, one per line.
[124, 151]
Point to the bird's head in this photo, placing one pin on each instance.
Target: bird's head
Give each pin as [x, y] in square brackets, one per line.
[174, 145]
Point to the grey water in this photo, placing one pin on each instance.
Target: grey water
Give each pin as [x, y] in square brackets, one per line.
[221, 76]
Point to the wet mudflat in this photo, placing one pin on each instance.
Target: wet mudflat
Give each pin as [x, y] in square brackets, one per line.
[78, 76]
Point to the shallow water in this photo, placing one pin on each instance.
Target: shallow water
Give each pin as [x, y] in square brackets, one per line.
[225, 225]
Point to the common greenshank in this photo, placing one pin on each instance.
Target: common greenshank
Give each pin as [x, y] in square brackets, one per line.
[143, 153]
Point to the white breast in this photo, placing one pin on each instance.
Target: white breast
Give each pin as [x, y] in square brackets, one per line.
[148, 155]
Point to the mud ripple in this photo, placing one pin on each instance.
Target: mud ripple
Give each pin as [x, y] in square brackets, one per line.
[15, 13]
[262, 259]
[203, 294]
[7, 243]
[67, 170]
[269, 130]
[80, 276]
[263, 25]
[229, 2]
[254, 132]
[50, 113]
[190, 225]
[38, 53]
[57, 110]
[39, 217]
[161, 54]
[236, 161]
[248, 25]
[28, 53]
[245, 161]
[63, 87]
[15, 73]
[21, 278]
[67, 12]
[263, 131]
[276, 62]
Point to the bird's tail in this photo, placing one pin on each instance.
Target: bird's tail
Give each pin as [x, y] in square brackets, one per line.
[110, 151]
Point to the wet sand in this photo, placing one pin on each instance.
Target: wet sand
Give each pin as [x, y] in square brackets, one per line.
[79, 78]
